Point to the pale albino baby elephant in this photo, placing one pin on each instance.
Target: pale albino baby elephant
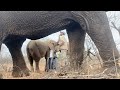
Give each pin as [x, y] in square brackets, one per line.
[37, 49]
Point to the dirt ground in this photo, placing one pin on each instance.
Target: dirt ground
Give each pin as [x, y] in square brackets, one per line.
[91, 70]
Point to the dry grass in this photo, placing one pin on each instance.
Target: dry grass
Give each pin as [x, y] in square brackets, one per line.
[90, 70]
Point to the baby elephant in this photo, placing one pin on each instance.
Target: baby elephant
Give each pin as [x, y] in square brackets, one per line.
[37, 49]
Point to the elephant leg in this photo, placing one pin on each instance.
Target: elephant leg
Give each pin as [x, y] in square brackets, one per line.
[0, 49]
[46, 65]
[19, 65]
[101, 35]
[76, 41]
[46, 69]
[37, 66]
[31, 63]
[30, 59]
[47, 61]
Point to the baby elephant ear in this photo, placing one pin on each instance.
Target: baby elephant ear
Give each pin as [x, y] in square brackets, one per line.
[52, 44]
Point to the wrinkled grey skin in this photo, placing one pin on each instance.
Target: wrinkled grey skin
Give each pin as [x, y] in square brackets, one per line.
[16, 26]
[37, 49]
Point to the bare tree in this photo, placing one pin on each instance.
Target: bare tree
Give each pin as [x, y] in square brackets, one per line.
[114, 26]
[114, 19]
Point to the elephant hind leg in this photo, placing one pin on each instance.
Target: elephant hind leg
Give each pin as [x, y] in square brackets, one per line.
[19, 65]
[100, 33]
[31, 63]
[76, 41]
[36, 58]
[47, 61]
[30, 59]
[104, 42]
[37, 66]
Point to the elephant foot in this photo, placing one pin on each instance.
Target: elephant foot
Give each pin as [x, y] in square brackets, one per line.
[20, 73]
[46, 69]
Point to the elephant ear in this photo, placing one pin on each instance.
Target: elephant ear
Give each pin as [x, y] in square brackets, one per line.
[80, 18]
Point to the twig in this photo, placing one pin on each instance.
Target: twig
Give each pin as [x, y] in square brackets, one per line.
[88, 68]
[116, 70]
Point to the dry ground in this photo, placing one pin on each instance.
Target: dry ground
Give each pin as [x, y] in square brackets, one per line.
[90, 71]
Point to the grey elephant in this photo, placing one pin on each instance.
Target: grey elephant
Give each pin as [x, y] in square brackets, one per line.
[37, 49]
[16, 26]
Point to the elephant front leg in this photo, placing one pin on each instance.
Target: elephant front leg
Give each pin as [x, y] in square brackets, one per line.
[47, 65]
[104, 42]
[19, 65]
[100, 33]
[76, 42]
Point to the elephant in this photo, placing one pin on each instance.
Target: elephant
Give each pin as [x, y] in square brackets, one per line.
[17, 26]
[37, 49]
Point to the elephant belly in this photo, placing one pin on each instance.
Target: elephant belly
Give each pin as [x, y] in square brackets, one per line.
[34, 25]
[43, 52]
